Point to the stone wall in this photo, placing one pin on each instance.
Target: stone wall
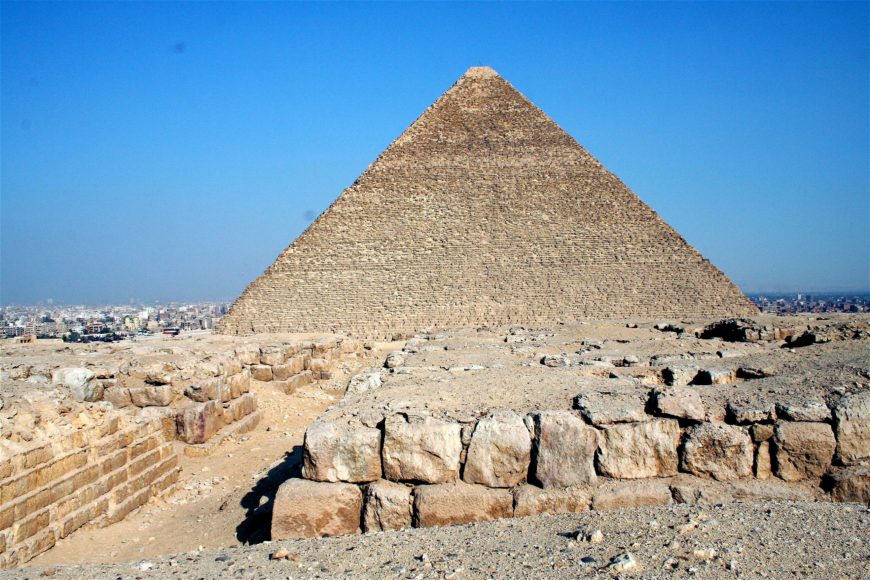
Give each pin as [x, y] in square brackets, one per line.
[96, 476]
[415, 470]
[97, 440]
[483, 212]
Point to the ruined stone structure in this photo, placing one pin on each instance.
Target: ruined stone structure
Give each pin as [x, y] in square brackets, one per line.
[484, 211]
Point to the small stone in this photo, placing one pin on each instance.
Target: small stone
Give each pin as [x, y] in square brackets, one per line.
[623, 563]
[680, 403]
[594, 537]
[281, 554]
[704, 554]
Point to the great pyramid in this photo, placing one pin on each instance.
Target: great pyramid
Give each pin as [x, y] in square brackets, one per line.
[483, 212]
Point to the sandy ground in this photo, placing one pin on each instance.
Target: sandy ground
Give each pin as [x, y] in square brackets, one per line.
[217, 502]
[759, 540]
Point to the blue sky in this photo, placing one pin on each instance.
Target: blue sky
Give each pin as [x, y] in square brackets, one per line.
[160, 151]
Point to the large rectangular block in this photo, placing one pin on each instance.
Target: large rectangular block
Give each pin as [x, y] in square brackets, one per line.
[564, 449]
[421, 449]
[530, 500]
[459, 503]
[341, 452]
[307, 509]
[197, 422]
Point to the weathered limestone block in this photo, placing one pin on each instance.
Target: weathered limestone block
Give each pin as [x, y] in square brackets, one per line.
[639, 450]
[763, 465]
[209, 389]
[500, 451]
[530, 500]
[228, 365]
[802, 450]
[564, 449]
[337, 452]
[80, 382]
[282, 372]
[744, 413]
[808, 410]
[261, 372]
[118, 396]
[308, 509]
[852, 426]
[298, 380]
[761, 432]
[421, 449]
[631, 494]
[241, 407]
[459, 503]
[609, 408]
[272, 355]
[152, 396]
[363, 382]
[154, 374]
[679, 375]
[387, 506]
[248, 354]
[679, 402]
[849, 483]
[197, 422]
[317, 365]
[239, 383]
[722, 452]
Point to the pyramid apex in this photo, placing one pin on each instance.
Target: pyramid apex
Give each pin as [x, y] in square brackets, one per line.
[480, 72]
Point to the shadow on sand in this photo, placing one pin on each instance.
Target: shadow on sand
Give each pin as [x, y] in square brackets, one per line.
[255, 528]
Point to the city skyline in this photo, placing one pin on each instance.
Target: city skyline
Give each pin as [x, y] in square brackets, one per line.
[152, 153]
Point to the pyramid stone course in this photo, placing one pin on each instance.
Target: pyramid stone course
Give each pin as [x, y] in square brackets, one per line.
[483, 212]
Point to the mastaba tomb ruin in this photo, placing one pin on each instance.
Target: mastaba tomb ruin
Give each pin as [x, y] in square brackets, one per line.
[483, 211]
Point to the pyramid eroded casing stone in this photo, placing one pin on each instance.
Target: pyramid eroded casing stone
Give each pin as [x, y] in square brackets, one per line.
[459, 503]
[340, 452]
[500, 451]
[421, 449]
[723, 452]
[564, 449]
[309, 509]
[638, 450]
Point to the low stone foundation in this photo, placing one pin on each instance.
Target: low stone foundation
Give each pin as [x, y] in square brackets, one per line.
[411, 469]
[94, 476]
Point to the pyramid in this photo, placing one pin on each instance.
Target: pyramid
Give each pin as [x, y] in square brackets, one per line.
[483, 212]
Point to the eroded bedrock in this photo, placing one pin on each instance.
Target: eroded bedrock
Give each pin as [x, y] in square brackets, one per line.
[479, 424]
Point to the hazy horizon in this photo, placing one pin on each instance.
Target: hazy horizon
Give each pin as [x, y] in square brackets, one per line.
[170, 151]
